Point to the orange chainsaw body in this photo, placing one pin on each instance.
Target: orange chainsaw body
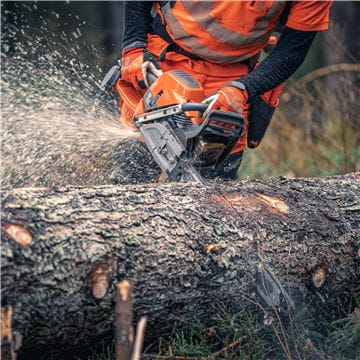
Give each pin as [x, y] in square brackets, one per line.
[171, 88]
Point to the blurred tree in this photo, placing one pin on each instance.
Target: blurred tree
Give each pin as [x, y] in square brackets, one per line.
[343, 37]
[100, 22]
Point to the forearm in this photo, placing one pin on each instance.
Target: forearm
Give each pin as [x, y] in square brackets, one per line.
[283, 61]
[137, 20]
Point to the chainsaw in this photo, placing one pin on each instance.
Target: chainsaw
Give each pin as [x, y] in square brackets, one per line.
[182, 135]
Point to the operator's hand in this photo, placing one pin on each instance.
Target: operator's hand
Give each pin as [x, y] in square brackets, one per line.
[135, 63]
[228, 98]
[231, 97]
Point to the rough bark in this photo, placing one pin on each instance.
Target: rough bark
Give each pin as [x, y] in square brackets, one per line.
[182, 246]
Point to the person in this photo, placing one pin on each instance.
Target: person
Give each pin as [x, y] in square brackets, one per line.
[219, 44]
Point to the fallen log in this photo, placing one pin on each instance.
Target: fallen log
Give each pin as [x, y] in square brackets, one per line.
[182, 246]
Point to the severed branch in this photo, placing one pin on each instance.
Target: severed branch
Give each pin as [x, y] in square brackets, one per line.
[139, 339]
[7, 344]
[124, 331]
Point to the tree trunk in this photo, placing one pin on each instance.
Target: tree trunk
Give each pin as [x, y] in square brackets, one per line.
[182, 247]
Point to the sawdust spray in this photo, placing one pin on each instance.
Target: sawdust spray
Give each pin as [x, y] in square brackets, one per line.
[55, 128]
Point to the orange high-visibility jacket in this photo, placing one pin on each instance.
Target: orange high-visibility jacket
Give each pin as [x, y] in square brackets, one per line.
[232, 31]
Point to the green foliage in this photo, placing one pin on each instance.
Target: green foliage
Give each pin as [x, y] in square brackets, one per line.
[343, 341]
[232, 326]
[233, 335]
[236, 335]
[106, 352]
[188, 340]
[314, 132]
[190, 344]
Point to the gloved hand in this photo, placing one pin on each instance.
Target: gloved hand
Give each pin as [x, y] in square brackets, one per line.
[228, 98]
[231, 97]
[135, 63]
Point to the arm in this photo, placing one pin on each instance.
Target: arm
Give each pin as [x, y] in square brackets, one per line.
[283, 61]
[137, 20]
[304, 19]
[136, 61]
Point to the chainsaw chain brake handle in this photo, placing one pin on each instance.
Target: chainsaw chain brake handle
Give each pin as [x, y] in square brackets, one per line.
[114, 74]
[151, 78]
[110, 78]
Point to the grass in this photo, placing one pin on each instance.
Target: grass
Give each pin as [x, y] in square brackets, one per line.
[243, 334]
[343, 340]
[339, 339]
[231, 334]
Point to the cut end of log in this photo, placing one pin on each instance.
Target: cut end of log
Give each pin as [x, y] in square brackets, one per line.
[254, 203]
[319, 276]
[18, 233]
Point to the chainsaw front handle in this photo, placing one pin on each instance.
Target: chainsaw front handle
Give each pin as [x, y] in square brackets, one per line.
[150, 78]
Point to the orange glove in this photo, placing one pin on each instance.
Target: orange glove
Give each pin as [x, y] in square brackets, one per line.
[135, 63]
[229, 98]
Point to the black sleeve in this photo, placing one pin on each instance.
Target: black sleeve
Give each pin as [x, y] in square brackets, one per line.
[282, 62]
[137, 18]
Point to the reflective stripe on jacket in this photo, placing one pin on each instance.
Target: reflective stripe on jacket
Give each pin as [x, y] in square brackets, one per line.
[221, 31]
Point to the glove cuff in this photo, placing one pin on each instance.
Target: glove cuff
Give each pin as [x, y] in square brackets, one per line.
[133, 50]
[135, 44]
[240, 86]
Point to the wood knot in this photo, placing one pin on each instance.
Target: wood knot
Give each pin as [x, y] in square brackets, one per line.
[99, 279]
[209, 248]
[319, 276]
[276, 203]
[253, 203]
[18, 233]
